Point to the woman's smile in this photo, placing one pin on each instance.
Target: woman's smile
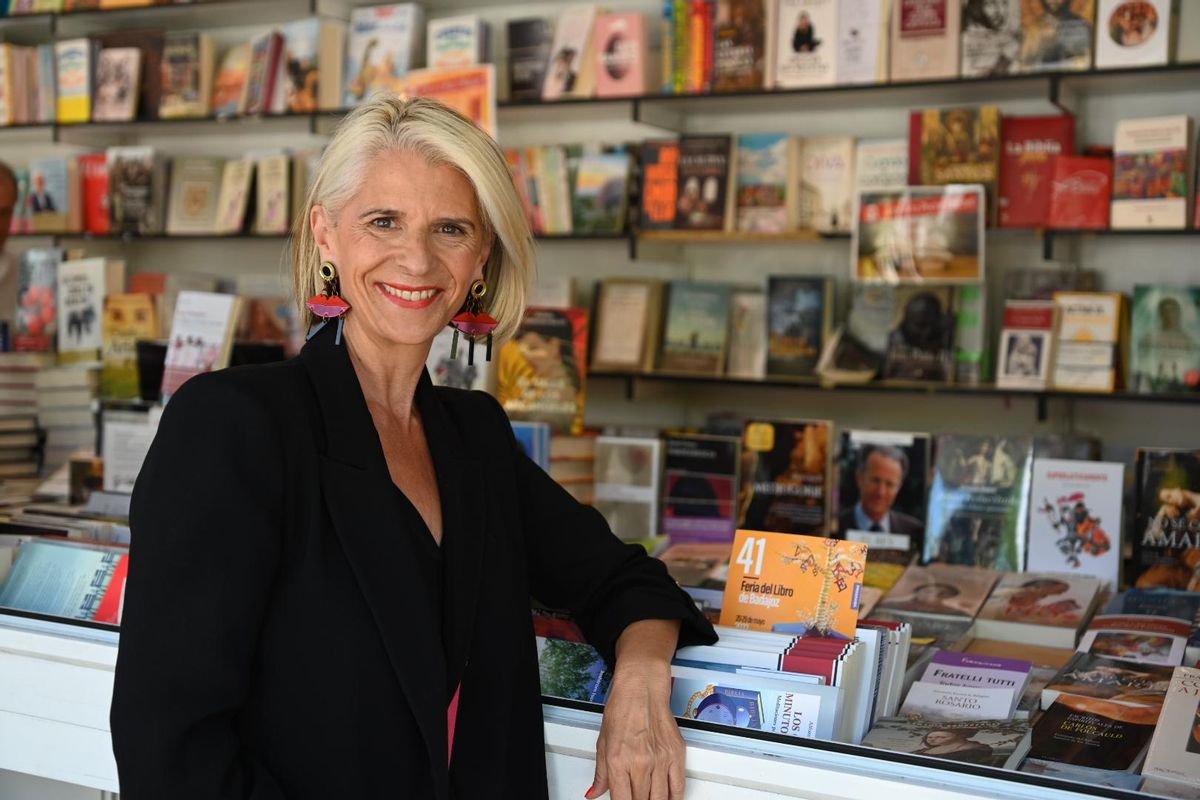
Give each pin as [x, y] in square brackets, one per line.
[416, 297]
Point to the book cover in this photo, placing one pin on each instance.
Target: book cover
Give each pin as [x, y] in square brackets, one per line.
[960, 145]
[1165, 348]
[73, 68]
[805, 585]
[266, 55]
[128, 318]
[150, 43]
[825, 200]
[627, 317]
[1156, 602]
[234, 196]
[1088, 675]
[1057, 36]
[920, 342]
[1081, 193]
[762, 182]
[703, 183]
[950, 668]
[925, 39]
[529, 43]
[471, 91]
[49, 199]
[1088, 353]
[991, 37]
[747, 335]
[136, 190]
[621, 53]
[1025, 357]
[118, 79]
[739, 45]
[1075, 518]
[60, 579]
[736, 700]
[93, 169]
[1152, 166]
[700, 482]
[572, 670]
[991, 743]
[959, 702]
[195, 185]
[979, 500]
[785, 477]
[1031, 146]
[37, 305]
[881, 165]
[626, 488]
[696, 328]
[541, 372]
[972, 352]
[458, 41]
[1133, 34]
[81, 290]
[599, 200]
[863, 40]
[229, 84]
[1174, 752]
[383, 44]
[806, 43]
[312, 63]
[1137, 639]
[1091, 732]
[569, 66]
[455, 372]
[1166, 524]
[921, 233]
[201, 337]
[1042, 598]
[271, 190]
[944, 589]
[186, 76]
[799, 310]
[660, 183]
[882, 481]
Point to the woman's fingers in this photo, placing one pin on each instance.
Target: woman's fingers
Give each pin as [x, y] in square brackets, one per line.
[600, 779]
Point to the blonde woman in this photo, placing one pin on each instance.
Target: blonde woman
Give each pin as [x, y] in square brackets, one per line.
[333, 560]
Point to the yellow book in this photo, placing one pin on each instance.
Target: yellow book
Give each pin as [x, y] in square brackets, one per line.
[127, 319]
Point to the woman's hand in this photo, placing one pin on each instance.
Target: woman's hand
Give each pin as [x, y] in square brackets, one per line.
[639, 754]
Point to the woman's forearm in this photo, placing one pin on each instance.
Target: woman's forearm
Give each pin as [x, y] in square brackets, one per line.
[647, 646]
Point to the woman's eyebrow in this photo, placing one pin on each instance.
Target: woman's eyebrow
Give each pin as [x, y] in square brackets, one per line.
[381, 212]
[465, 222]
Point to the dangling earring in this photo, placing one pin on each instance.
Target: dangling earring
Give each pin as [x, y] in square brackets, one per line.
[473, 323]
[329, 304]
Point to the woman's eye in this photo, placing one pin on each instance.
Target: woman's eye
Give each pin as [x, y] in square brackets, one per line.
[450, 228]
[383, 222]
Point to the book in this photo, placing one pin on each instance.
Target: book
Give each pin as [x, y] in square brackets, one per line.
[921, 233]
[882, 482]
[118, 80]
[1137, 639]
[939, 701]
[739, 45]
[541, 372]
[1040, 608]
[1165, 346]
[804, 585]
[93, 171]
[383, 44]
[195, 186]
[1031, 146]
[1093, 733]
[1088, 675]
[1080, 193]
[471, 91]
[1174, 752]
[601, 193]
[271, 189]
[762, 176]
[626, 488]
[747, 335]
[529, 43]
[570, 71]
[312, 63]
[137, 189]
[1075, 518]
[920, 342]
[150, 43]
[1166, 519]
[64, 579]
[263, 73]
[799, 312]
[880, 165]
[993, 743]
[621, 52]
[1025, 355]
[187, 69]
[979, 501]
[991, 38]
[695, 328]
[457, 41]
[960, 145]
[703, 198]
[626, 330]
[1153, 163]
[856, 351]
[37, 303]
[942, 589]
[863, 41]
[700, 484]
[234, 196]
[128, 318]
[754, 702]
[825, 200]
[949, 668]
[806, 43]
[1137, 34]
[659, 185]
[532, 437]
[785, 477]
[229, 84]
[82, 286]
[572, 670]
[925, 40]
[1090, 341]
[74, 62]
[1057, 36]
[53, 196]
[201, 337]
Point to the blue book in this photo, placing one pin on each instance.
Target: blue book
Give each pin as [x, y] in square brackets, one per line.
[534, 438]
[59, 579]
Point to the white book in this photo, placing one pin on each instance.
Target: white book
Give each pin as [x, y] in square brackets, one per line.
[384, 43]
[82, 286]
[201, 337]
[958, 702]
[826, 190]
[862, 46]
[926, 38]
[991, 38]
[881, 165]
[755, 702]
[1137, 638]
[1024, 359]
[626, 488]
[1075, 514]
[570, 72]
[456, 41]
[806, 36]
[1174, 752]
[747, 335]
[1134, 34]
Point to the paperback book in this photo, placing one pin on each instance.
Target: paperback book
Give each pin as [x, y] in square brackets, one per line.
[993, 743]
[572, 670]
[943, 589]
[925, 40]
[825, 200]
[1092, 676]
[1080, 193]
[762, 182]
[1153, 160]
[82, 286]
[806, 43]
[570, 71]
[1075, 518]
[799, 311]
[922, 233]
[1137, 638]
[940, 701]
[195, 188]
[601, 190]
[1166, 526]
[785, 477]
[138, 190]
[541, 372]
[1174, 752]
[622, 55]
[626, 489]
[1057, 36]
[66, 580]
[201, 337]
[696, 329]
[458, 41]
[991, 38]
[1093, 733]
[529, 43]
[383, 44]
[744, 702]
[128, 319]
[1134, 34]
[882, 483]
[1040, 608]
[37, 301]
[747, 335]
[863, 40]
[700, 483]
[1165, 347]
[187, 68]
[118, 78]
[739, 45]
[628, 312]
[881, 165]
[660, 181]
[703, 194]
[1092, 328]
[920, 340]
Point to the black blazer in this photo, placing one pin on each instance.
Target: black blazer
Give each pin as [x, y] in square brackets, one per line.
[276, 642]
[898, 521]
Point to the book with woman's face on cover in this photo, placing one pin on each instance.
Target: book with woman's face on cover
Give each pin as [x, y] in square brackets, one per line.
[541, 372]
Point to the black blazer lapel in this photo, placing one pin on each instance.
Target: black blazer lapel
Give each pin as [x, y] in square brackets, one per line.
[363, 504]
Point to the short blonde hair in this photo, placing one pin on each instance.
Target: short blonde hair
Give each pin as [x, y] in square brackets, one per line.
[443, 137]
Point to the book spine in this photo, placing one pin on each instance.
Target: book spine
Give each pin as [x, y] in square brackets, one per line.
[680, 42]
[668, 46]
[696, 46]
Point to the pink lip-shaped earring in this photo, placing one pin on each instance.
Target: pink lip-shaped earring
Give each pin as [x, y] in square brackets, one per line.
[329, 304]
[473, 323]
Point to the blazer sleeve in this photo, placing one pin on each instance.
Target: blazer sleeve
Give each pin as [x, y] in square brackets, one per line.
[206, 521]
[577, 563]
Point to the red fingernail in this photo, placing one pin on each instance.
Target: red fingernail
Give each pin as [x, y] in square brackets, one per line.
[588, 793]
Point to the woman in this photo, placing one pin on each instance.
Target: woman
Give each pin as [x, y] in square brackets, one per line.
[329, 593]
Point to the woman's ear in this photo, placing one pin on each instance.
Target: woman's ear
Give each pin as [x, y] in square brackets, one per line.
[321, 224]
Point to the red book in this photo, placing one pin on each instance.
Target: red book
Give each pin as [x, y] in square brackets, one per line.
[1081, 194]
[113, 602]
[1037, 315]
[94, 169]
[915, 125]
[1030, 146]
[822, 666]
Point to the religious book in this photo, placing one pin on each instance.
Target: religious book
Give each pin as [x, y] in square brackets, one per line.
[700, 486]
[541, 372]
[1153, 169]
[626, 487]
[1031, 146]
[1057, 36]
[529, 42]
[383, 43]
[1080, 193]
[1166, 525]
[1174, 752]
[1093, 733]
[1138, 34]
[762, 176]
[1088, 675]
[799, 314]
[991, 38]
[785, 477]
[1165, 344]
[1075, 518]
[925, 40]
[961, 145]
[940, 701]
[695, 328]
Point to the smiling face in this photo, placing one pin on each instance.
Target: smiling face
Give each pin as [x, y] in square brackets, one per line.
[407, 246]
